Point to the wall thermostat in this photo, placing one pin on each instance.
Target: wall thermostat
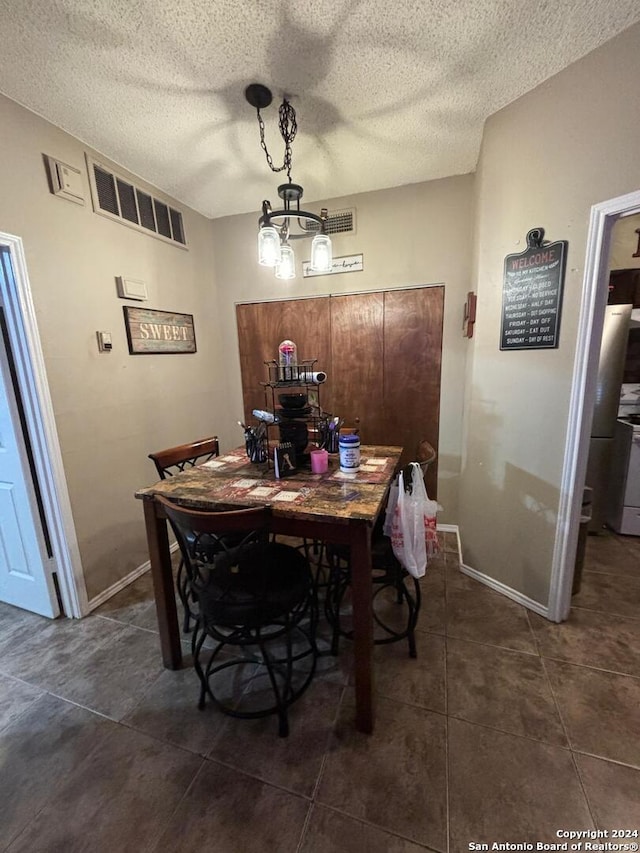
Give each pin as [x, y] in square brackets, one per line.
[66, 181]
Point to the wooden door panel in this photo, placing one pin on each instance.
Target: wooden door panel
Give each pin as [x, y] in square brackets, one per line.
[357, 355]
[412, 362]
[263, 325]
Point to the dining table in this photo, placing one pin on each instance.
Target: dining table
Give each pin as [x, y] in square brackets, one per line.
[332, 506]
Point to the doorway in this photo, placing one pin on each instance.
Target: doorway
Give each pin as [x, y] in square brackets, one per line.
[35, 419]
[583, 390]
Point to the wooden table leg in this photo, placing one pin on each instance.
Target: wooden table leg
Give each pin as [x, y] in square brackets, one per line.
[361, 594]
[160, 558]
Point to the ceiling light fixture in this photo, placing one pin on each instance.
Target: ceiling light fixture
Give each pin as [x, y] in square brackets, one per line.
[275, 226]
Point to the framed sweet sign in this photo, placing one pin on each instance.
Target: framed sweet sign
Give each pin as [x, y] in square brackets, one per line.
[153, 332]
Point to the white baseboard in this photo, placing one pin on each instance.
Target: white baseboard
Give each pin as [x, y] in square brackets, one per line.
[505, 590]
[115, 588]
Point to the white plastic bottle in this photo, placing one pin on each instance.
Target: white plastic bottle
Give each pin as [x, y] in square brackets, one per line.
[349, 448]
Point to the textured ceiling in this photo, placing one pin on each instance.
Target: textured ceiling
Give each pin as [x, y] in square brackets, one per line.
[387, 93]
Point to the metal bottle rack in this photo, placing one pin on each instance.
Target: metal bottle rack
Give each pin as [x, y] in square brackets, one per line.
[289, 378]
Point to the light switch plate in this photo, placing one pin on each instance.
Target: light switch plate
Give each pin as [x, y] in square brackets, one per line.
[66, 181]
[105, 344]
[131, 288]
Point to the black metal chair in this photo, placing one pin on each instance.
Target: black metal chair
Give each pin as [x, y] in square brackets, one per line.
[169, 462]
[256, 601]
[392, 585]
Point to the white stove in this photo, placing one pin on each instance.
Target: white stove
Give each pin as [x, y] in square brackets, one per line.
[625, 477]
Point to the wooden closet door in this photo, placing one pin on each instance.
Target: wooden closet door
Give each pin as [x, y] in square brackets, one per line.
[382, 353]
[412, 362]
[263, 325]
[357, 355]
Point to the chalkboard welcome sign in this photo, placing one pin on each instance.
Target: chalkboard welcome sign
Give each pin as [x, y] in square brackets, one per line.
[532, 294]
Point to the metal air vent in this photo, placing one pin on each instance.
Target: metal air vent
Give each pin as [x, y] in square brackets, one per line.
[338, 222]
[117, 198]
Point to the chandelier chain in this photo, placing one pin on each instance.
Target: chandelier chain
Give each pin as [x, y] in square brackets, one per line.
[288, 128]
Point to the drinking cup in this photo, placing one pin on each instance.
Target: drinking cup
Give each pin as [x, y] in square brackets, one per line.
[319, 461]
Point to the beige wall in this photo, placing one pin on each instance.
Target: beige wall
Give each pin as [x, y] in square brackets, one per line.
[624, 242]
[412, 235]
[111, 409]
[545, 160]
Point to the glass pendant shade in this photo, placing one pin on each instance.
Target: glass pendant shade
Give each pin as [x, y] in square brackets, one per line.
[286, 268]
[321, 253]
[268, 246]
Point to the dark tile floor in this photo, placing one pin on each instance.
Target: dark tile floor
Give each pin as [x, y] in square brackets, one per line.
[506, 728]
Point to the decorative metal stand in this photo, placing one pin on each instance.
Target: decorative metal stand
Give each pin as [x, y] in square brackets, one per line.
[291, 378]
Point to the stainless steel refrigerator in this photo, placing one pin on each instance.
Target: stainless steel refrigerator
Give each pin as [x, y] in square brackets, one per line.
[613, 350]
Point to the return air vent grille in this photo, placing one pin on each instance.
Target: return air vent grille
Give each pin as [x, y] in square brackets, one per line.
[145, 206]
[106, 191]
[115, 197]
[162, 218]
[338, 222]
[127, 197]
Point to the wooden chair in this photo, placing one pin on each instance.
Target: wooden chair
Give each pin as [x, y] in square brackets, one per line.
[172, 461]
[256, 601]
[175, 459]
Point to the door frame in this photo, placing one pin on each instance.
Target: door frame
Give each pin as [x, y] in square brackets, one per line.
[28, 357]
[582, 399]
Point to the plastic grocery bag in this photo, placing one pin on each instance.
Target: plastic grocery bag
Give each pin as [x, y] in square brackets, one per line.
[413, 526]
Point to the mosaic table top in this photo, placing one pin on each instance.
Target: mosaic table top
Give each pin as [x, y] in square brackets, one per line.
[234, 481]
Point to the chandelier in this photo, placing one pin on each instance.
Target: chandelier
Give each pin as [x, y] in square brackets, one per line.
[276, 227]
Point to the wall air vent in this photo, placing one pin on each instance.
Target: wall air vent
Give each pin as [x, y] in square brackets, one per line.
[117, 198]
[338, 222]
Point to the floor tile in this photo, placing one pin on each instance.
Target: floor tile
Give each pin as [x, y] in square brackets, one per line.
[609, 553]
[47, 656]
[112, 676]
[416, 681]
[133, 605]
[451, 543]
[599, 709]
[15, 617]
[503, 689]
[591, 639]
[168, 710]
[15, 697]
[331, 832]
[294, 762]
[609, 594]
[228, 812]
[437, 563]
[507, 788]
[485, 616]
[631, 544]
[613, 792]
[39, 750]
[457, 579]
[395, 779]
[119, 798]
[432, 612]
[336, 668]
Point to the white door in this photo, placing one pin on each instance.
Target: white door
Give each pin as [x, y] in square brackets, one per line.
[26, 570]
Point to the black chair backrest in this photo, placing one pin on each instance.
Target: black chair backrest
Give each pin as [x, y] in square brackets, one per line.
[175, 459]
[201, 535]
[215, 540]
